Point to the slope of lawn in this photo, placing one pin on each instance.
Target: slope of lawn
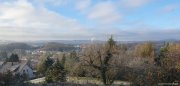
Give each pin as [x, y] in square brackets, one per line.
[81, 80]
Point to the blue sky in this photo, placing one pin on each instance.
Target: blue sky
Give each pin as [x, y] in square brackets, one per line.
[126, 20]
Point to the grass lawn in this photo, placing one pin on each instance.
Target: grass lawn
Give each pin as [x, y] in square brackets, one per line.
[81, 80]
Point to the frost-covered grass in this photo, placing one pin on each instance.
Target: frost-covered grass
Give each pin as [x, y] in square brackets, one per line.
[81, 80]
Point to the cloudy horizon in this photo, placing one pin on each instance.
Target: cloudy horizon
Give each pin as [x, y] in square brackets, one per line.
[126, 20]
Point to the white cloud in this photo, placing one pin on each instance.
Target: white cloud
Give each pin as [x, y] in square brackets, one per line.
[134, 3]
[21, 20]
[82, 5]
[52, 2]
[169, 8]
[104, 12]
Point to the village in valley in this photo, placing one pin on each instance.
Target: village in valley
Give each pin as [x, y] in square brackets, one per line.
[77, 64]
[23, 62]
[89, 42]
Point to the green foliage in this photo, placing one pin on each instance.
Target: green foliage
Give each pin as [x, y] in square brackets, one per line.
[6, 79]
[73, 56]
[57, 72]
[3, 55]
[104, 67]
[44, 65]
[48, 62]
[162, 55]
[111, 42]
[13, 58]
[63, 61]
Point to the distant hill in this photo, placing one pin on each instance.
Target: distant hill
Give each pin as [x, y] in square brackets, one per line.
[12, 46]
[54, 46]
[5, 42]
[65, 45]
[70, 42]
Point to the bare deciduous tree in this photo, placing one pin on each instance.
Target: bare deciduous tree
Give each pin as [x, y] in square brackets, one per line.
[103, 57]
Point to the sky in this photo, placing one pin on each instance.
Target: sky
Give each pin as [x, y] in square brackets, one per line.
[126, 20]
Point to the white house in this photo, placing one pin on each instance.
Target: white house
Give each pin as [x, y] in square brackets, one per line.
[1, 63]
[20, 67]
